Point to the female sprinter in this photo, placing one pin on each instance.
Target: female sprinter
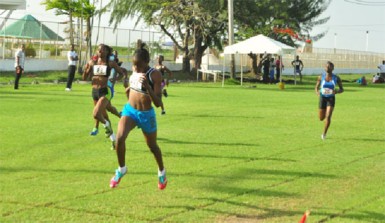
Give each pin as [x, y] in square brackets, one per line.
[325, 89]
[145, 89]
[100, 71]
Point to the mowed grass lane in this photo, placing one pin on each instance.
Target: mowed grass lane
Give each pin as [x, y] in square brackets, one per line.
[235, 154]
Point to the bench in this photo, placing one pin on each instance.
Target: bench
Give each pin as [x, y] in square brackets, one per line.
[205, 72]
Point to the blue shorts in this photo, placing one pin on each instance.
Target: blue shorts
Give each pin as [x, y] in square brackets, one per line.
[145, 120]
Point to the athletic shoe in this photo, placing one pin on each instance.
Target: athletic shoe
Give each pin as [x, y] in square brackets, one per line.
[94, 132]
[162, 183]
[108, 129]
[116, 179]
[165, 93]
[68, 89]
[323, 136]
[163, 112]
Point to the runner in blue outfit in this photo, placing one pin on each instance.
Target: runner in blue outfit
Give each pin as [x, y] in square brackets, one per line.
[145, 90]
[326, 90]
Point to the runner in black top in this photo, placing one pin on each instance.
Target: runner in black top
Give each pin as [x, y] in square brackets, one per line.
[298, 67]
[100, 70]
[162, 68]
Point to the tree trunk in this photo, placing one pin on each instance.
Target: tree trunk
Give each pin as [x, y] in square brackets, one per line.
[186, 59]
[253, 57]
[71, 27]
[88, 38]
[198, 51]
[232, 66]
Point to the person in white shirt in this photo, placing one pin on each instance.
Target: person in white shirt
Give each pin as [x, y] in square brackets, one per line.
[72, 60]
[382, 71]
[19, 64]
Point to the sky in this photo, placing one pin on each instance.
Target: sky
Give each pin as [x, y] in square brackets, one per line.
[351, 26]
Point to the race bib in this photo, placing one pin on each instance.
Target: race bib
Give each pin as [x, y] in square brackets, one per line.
[135, 81]
[100, 70]
[327, 91]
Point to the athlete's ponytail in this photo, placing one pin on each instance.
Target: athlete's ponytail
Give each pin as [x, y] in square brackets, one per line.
[141, 52]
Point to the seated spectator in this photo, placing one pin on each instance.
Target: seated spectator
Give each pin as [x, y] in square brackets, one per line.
[362, 81]
[376, 79]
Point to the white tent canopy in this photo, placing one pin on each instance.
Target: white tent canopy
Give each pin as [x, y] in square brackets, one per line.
[259, 44]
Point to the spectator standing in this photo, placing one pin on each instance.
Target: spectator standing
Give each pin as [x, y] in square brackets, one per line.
[271, 70]
[19, 64]
[72, 60]
[266, 68]
[278, 64]
[382, 71]
[298, 66]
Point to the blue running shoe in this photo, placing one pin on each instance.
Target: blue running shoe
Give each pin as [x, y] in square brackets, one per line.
[94, 132]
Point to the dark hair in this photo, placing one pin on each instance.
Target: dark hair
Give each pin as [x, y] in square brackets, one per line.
[142, 53]
[108, 49]
[330, 63]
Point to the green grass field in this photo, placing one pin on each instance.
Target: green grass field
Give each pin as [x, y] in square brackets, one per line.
[232, 154]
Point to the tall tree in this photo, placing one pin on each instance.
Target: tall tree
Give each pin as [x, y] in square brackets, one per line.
[85, 10]
[62, 7]
[82, 9]
[204, 22]
[286, 21]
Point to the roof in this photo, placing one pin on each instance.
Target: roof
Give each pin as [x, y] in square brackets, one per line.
[259, 44]
[29, 27]
[12, 4]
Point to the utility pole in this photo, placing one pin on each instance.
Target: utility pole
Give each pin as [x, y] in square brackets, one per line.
[231, 35]
[367, 41]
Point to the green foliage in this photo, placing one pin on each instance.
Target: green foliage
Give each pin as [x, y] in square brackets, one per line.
[30, 51]
[232, 81]
[262, 16]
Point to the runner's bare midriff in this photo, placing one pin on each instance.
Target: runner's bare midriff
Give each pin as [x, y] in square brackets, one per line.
[99, 82]
[139, 101]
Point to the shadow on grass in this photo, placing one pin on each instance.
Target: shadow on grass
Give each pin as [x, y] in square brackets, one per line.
[30, 94]
[216, 116]
[205, 143]
[4, 170]
[219, 156]
[365, 139]
[364, 216]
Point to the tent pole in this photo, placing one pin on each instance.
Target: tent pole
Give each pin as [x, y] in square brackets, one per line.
[241, 59]
[280, 68]
[223, 72]
[295, 81]
[41, 31]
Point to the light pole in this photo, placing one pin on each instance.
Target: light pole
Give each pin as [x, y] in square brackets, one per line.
[367, 40]
[335, 42]
[231, 35]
